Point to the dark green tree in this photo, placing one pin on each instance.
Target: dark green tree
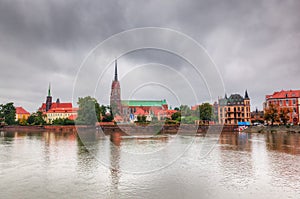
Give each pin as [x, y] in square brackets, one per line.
[89, 111]
[8, 113]
[37, 118]
[176, 116]
[206, 112]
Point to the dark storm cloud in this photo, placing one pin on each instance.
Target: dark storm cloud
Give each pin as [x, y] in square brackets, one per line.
[255, 44]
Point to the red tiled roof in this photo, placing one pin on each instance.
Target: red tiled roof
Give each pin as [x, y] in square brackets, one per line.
[21, 110]
[72, 117]
[62, 110]
[57, 105]
[140, 111]
[284, 94]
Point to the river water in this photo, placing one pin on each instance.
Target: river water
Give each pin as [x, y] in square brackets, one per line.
[61, 165]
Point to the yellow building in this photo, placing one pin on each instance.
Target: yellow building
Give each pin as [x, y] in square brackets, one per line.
[62, 113]
[234, 109]
[21, 114]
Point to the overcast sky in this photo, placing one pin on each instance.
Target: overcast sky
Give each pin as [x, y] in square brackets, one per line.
[254, 44]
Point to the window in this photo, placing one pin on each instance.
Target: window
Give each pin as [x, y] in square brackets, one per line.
[294, 101]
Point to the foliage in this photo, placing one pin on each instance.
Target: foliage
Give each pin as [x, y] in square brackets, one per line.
[176, 116]
[185, 110]
[37, 118]
[189, 119]
[141, 119]
[22, 121]
[8, 113]
[271, 114]
[206, 112]
[63, 121]
[284, 115]
[89, 111]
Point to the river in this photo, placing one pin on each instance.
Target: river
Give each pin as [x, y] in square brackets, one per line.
[61, 165]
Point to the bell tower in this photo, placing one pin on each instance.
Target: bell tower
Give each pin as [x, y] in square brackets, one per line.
[115, 96]
[49, 99]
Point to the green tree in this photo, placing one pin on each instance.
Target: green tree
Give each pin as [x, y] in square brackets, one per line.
[271, 114]
[8, 113]
[176, 116]
[37, 118]
[63, 121]
[206, 112]
[89, 111]
[141, 119]
[185, 110]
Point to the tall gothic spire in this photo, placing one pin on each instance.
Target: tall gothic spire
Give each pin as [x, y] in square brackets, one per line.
[49, 90]
[116, 70]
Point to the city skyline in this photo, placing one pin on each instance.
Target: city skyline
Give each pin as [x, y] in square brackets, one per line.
[255, 45]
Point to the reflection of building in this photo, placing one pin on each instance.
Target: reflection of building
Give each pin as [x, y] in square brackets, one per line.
[21, 114]
[234, 109]
[56, 110]
[286, 99]
[129, 110]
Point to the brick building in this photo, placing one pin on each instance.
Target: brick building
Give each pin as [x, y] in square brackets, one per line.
[288, 99]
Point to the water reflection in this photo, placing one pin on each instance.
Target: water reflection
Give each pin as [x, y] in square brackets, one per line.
[115, 144]
[235, 141]
[35, 165]
[284, 142]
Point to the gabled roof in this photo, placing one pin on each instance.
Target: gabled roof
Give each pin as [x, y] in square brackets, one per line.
[21, 110]
[143, 102]
[284, 94]
[234, 98]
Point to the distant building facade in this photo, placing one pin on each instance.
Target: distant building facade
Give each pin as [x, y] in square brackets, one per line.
[129, 110]
[56, 110]
[234, 109]
[286, 99]
[21, 113]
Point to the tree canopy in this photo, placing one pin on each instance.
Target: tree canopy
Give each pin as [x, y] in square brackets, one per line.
[271, 113]
[89, 111]
[8, 113]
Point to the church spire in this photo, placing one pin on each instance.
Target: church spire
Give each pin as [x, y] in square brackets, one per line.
[49, 90]
[246, 95]
[116, 70]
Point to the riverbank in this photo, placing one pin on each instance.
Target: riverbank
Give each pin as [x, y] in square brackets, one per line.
[272, 129]
[129, 128]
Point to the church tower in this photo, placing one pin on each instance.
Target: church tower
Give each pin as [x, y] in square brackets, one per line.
[48, 100]
[115, 96]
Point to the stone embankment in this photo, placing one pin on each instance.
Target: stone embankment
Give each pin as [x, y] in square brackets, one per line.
[273, 129]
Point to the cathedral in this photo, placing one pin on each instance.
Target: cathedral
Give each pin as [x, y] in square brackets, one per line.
[128, 110]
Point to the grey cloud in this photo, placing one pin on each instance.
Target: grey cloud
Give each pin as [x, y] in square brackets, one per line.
[255, 44]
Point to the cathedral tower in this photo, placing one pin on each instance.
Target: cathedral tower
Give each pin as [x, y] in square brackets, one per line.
[48, 100]
[115, 96]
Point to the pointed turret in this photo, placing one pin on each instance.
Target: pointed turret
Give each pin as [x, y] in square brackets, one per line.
[226, 96]
[49, 99]
[246, 95]
[116, 71]
[49, 90]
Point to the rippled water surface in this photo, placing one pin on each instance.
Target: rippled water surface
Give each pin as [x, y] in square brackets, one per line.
[60, 165]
